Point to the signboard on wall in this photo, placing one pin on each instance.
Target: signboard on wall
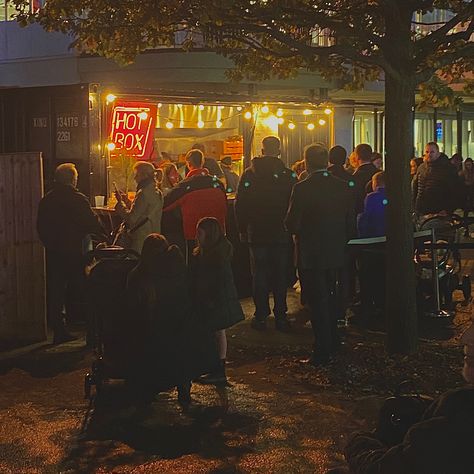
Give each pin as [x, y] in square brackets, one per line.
[131, 128]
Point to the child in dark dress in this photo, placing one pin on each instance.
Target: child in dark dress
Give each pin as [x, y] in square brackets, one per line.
[215, 294]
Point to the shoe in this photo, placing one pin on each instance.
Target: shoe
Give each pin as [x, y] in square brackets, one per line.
[318, 360]
[282, 324]
[63, 337]
[216, 377]
[258, 324]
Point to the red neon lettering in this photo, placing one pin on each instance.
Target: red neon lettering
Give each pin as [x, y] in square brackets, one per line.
[139, 139]
[129, 141]
[119, 139]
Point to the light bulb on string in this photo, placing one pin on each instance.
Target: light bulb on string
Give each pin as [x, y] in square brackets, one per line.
[265, 109]
[110, 98]
[307, 112]
[279, 113]
[248, 115]
[322, 122]
[169, 125]
[111, 146]
[310, 126]
[328, 111]
[201, 107]
[200, 124]
[239, 108]
[219, 124]
[291, 126]
[143, 115]
[280, 120]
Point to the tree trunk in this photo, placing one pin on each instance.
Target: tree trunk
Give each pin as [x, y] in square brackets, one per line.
[401, 308]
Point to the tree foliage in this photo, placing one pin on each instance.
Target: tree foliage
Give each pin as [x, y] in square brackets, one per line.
[267, 38]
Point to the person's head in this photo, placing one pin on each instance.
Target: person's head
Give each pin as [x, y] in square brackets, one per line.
[171, 176]
[194, 159]
[377, 160]
[200, 147]
[153, 247]
[315, 157]
[67, 174]
[226, 162]
[364, 153]
[143, 170]
[414, 163]
[378, 180]
[337, 155]
[271, 146]
[353, 160]
[298, 167]
[468, 164]
[208, 233]
[431, 152]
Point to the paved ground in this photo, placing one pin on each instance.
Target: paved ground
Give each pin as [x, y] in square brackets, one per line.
[277, 416]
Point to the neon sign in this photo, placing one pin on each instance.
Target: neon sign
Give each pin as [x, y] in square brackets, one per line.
[131, 129]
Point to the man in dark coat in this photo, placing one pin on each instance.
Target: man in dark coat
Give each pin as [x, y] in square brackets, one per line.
[260, 207]
[337, 159]
[436, 185]
[363, 174]
[209, 163]
[321, 218]
[65, 217]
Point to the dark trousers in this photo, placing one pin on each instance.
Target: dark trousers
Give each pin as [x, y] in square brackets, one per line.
[269, 266]
[372, 281]
[65, 284]
[321, 295]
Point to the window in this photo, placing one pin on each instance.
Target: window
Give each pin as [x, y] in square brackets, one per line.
[7, 8]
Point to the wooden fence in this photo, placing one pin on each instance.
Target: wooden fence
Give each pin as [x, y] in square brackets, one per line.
[22, 262]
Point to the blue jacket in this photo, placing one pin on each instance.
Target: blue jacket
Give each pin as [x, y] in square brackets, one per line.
[371, 222]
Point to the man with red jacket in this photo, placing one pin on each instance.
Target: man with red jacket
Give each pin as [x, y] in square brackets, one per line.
[198, 195]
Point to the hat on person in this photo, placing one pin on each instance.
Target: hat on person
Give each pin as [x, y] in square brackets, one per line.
[227, 160]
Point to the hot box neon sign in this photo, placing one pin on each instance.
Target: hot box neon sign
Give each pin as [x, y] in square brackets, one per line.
[131, 129]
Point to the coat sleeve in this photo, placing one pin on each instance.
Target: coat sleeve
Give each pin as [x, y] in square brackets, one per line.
[363, 219]
[294, 215]
[137, 211]
[243, 203]
[88, 221]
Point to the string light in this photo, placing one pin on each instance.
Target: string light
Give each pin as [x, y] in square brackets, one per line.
[110, 98]
[200, 124]
[218, 124]
[248, 115]
[322, 122]
[279, 113]
[143, 115]
[239, 108]
[307, 112]
[328, 111]
[310, 126]
[160, 105]
[280, 121]
[169, 125]
[265, 109]
[111, 146]
[201, 107]
[291, 126]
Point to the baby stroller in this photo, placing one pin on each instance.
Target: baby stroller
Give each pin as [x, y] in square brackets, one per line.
[445, 263]
[108, 315]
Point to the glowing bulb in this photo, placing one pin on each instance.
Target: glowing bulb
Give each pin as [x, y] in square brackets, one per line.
[265, 109]
[160, 105]
[220, 107]
[322, 122]
[328, 111]
[310, 126]
[291, 126]
[200, 124]
[201, 107]
[110, 98]
[143, 115]
[111, 146]
[179, 106]
[169, 125]
[279, 113]
[280, 120]
[307, 112]
[248, 115]
[239, 108]
[218, 124]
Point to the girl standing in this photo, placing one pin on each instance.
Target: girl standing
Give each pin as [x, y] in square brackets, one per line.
[214, 290]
